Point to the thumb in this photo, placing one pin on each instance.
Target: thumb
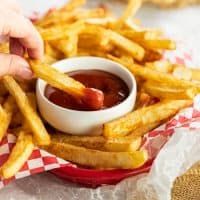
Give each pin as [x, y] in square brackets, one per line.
[14, 65]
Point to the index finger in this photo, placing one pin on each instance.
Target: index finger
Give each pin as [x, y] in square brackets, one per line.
[24, 30]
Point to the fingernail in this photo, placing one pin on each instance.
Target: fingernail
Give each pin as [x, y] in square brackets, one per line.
[26, 73]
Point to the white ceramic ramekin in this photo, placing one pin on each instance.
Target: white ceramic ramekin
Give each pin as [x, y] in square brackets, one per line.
[86, 122]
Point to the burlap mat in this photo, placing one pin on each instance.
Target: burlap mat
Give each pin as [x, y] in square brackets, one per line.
[187, 186]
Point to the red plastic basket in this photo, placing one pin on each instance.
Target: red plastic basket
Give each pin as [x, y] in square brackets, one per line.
[94, 178]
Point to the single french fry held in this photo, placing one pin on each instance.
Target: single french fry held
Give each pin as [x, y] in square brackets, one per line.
[57, 79]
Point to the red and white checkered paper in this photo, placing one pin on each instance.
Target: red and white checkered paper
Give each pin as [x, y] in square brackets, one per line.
[41, 160]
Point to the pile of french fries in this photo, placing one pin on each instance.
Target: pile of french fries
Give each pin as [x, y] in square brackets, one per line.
[163, 87]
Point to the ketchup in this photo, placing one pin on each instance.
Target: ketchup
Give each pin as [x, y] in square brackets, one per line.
[114, 89]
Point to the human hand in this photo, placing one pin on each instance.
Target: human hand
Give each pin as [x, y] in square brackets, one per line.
[22, 36]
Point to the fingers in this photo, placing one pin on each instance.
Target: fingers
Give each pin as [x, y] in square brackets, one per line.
[16, 47]
[11, 4]
[14, 65]
[17, 26]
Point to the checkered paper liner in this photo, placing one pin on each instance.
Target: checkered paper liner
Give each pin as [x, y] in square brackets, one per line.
[41, 161]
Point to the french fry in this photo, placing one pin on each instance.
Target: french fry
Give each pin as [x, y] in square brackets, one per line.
[132, 8]
[61, 32]
[98, 159]
[165, 92]
[152, 56]
[159, 44]
[91, 52]
[51, 51]
[55, 18]
[144, 116]
[32, 99]
[65, 14]
[99, 142]
[184, 73]
[68, 47]
[153, 75]
[144, 100]
[140, 35]
[127, 45]
[17, 119]
[19, 155]
[162, 66]
[141, 131]
[57, 79]
[149, 74]
[3, 119]
[96, 34]
[195, 74]
[6, 115]
[40, 134]
[4, 48]
[49, 60]
[126, 144]
[104, 22]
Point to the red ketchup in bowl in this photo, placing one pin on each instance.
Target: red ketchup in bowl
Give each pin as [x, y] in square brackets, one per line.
[114, 89]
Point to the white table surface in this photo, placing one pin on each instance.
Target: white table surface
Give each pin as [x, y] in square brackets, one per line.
[185, 24]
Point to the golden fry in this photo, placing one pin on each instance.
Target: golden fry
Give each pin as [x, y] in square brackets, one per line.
[6, 115]
[61, 32]
[162, 66]
[152, 56]
[40, 134]
[57, 79]
[144, 100]
[4, 48]
[149, 74]
[98, 159]
[17, 119]
[68, 47]
[130, 47]
[96, 35]
[52, 52]
[19, 155]
[141, 131]
[165, 92]
[49, 60]
[140, 35]
[66, 14]
[184, 73]
[144, 116]
[159, 44]
[99, 142]
[132, 8]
